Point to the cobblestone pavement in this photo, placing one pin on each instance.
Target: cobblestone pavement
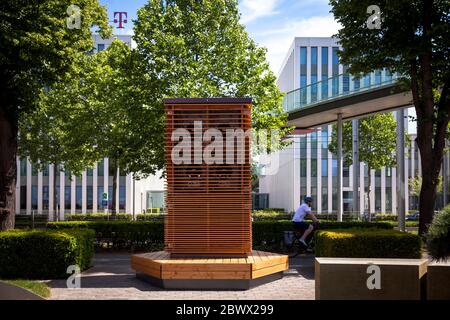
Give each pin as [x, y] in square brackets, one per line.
[111, 277]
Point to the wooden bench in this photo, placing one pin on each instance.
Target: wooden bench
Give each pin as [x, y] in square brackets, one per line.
[348, 278]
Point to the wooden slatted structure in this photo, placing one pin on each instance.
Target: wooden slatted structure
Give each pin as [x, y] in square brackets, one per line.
[208, 204]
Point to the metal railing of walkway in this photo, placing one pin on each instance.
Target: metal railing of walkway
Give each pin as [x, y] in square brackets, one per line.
[338, 86]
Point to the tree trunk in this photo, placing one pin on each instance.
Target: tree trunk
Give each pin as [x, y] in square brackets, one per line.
[427, 197]
[8, 170]
[114, 187]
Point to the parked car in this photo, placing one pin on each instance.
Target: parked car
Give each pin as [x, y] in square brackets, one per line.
[412, 217]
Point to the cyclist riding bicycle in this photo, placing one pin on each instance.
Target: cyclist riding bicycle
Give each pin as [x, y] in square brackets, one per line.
[299, 220]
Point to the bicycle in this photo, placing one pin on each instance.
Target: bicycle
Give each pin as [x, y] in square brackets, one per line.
[293, 244]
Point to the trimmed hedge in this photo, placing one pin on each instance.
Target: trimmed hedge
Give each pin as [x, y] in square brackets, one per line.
[149, 235]
[40, 254]
[367, 243]
[98, 216]
[25, 221]
[267, 235]
[134, 235]
[438, 236]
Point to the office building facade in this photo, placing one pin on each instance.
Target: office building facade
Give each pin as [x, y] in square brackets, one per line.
[307, 167]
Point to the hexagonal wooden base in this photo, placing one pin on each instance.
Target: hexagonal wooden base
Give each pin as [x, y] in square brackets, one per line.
[209, 273]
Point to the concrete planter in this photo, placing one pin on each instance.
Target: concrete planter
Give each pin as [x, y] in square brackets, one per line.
[370, 279]
[438, 281]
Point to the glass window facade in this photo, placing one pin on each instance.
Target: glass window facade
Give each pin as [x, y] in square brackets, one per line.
[324, 168]
[324, 72]
[23, 197]
[67, 197]
[23, 167]
[101, 168]
[34, 196]
[78, 199]
[89, 197]
[45, 197]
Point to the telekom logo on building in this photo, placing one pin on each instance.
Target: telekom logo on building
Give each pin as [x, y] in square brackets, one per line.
[122, 18]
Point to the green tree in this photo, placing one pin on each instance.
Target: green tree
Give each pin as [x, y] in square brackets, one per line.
[197, 48]
[99, 113]
[377, 142]
[37, 49]
[412, 40]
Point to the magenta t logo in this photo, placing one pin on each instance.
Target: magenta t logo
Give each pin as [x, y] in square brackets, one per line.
[120, 20]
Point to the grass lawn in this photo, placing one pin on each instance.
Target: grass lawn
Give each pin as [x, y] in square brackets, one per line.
[37, 287]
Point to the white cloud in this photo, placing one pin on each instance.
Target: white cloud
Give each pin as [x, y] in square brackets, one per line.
[254, 9]
[278, 41]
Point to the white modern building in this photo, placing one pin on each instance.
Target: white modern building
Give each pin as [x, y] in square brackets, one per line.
[307, 167]
[83, 194]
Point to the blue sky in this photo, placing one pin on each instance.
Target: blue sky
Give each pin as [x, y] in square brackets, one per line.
[271, 23]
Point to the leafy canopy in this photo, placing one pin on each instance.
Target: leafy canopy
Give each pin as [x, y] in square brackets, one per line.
[37, 49]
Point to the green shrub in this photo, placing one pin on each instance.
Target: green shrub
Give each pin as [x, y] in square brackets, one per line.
[438, 236]
[333, 216]
[98, 216]
[149, 217]
[268, 235]
[149, 235]
[25, 221]
[386, 217]
[134, 235]
[367, 243]
[42, 254]
[270, 215]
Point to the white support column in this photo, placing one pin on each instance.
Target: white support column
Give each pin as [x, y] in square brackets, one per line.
[383, 190]
[83, 191]
[39, 193]
[128, 193]
[401, 168]
[406, 182]
[356, 165]
[62, 194]
[29, 183]
[413, 160]
[362, 198]
[95, 188]
[308, 165]
[339, 173]
[372, 191]
[106, 177]
[296, 180]
[419, 162]
[330, 174]
[51, 191]
[73, 193]
[319, 170]
[394, 189]
[17, 185]
[117, 189]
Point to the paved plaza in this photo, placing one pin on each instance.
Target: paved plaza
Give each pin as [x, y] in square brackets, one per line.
[111, 277]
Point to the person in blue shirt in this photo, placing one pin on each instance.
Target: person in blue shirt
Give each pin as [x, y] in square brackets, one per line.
[299, 219]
